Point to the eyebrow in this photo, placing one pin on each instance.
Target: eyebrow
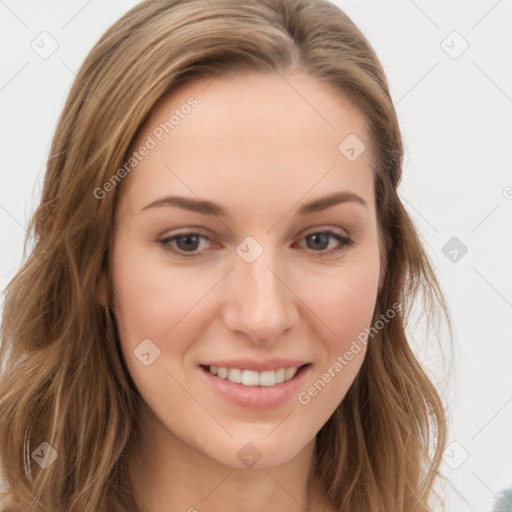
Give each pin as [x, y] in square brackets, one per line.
[210, 208]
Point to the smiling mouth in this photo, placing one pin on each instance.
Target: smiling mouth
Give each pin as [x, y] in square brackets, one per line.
[253, 378]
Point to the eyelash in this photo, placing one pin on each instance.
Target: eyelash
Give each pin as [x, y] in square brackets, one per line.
[344, 242]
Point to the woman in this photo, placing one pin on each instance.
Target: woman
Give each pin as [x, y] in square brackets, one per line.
[177, 340]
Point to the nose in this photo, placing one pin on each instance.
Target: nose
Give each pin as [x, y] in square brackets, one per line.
[259, 303]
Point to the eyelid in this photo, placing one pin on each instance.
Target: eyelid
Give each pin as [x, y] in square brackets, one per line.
[324, 228]
[192, 230]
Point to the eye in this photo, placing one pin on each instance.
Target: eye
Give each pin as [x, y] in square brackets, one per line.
[187, 244]
[320, 240]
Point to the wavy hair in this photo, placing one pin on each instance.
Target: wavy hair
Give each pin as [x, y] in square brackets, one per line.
[63, 377]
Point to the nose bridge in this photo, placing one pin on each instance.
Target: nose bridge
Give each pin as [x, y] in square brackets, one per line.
[258, 302]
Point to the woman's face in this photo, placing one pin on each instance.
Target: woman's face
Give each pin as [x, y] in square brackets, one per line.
[246, 245]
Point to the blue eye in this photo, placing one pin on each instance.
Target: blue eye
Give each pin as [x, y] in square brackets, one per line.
[322, 238]
[187, 244]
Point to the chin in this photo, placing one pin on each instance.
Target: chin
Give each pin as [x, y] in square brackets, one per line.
[259, 452]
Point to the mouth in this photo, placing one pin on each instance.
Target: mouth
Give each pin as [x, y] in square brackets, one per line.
[254, 379]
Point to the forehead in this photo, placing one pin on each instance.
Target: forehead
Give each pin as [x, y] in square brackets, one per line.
[251, 140]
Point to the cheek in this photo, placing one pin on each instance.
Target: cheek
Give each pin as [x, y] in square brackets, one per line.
[345, 309]
[343, 301]
[155, 302]
[355, 299]
[151, 298]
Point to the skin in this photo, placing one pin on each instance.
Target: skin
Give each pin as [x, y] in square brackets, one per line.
[260, 146]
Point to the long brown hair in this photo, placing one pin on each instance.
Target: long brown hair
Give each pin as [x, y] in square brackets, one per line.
[64, 381]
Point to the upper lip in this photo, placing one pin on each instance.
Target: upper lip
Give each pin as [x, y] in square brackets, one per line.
[257, 365]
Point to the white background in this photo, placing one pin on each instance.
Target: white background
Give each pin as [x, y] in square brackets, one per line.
[456, 117]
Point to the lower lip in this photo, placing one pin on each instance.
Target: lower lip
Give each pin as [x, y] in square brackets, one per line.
[257, 397]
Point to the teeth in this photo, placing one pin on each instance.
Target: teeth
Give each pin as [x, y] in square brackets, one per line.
[268, 378]
[250, 378]
[253, 378]
[235, 375]
[280, 375]
[289, 373]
